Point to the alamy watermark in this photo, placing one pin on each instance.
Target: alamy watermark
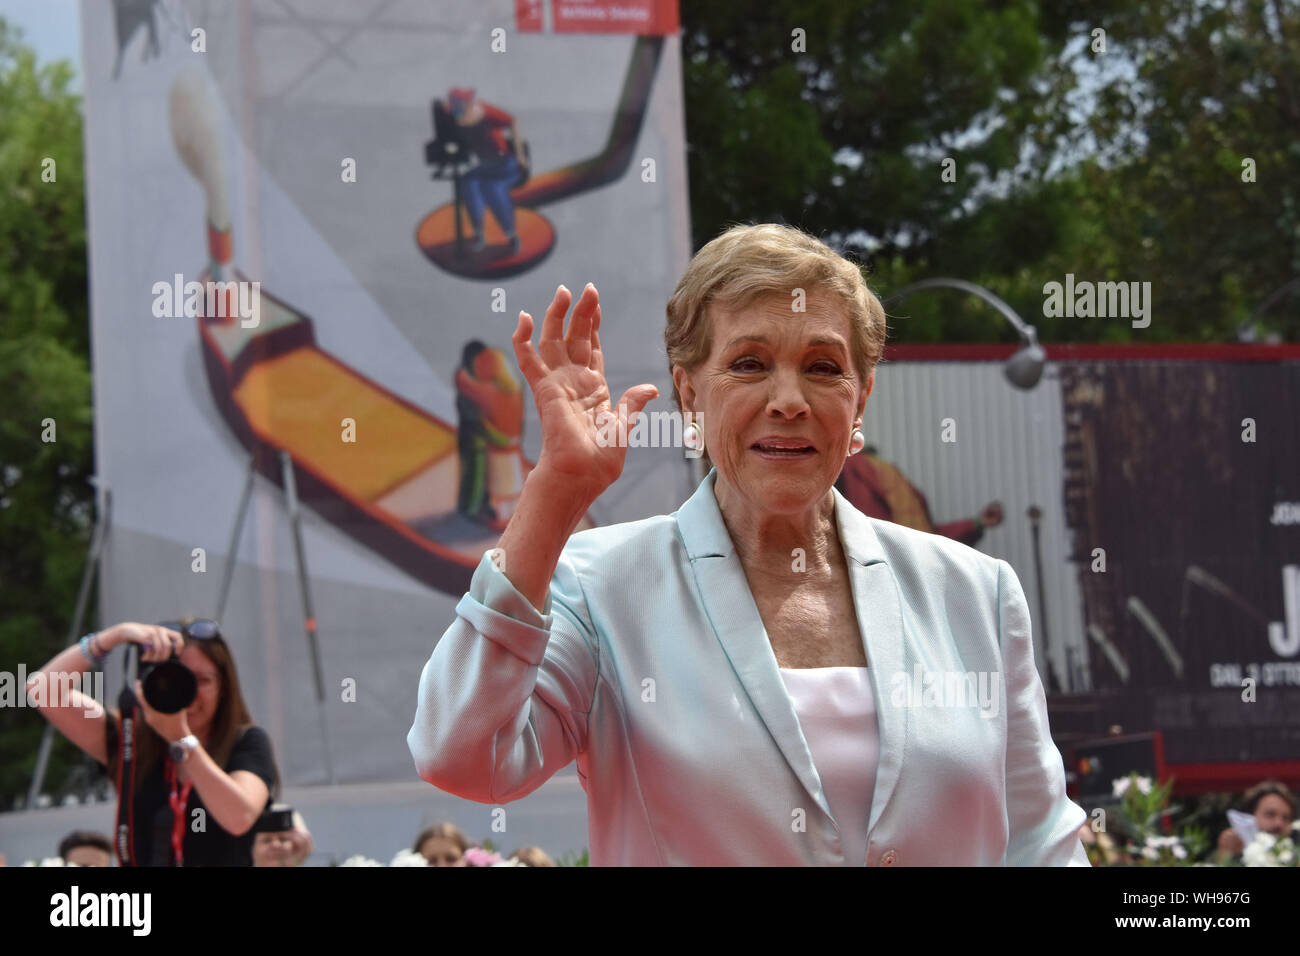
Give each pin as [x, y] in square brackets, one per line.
[128, 910]
[215, 300]
[947, 689]
[51, 689]
[1102, 300]
[657, 429]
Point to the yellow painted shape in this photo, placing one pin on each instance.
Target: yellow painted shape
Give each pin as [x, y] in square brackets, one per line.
[298, 401]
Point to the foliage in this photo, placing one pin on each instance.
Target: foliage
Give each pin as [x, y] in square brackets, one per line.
[1123, 165]
[45, 502]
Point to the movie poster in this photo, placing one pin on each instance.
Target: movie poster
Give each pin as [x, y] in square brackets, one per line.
[312, 229]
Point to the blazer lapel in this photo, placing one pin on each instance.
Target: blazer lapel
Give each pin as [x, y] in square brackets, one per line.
[734, 615]
[880, 621]
[730, 606]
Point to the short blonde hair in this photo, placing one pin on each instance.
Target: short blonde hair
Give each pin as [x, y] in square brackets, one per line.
[749, 261]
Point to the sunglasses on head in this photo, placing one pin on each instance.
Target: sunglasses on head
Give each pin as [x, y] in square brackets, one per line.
[201, 629]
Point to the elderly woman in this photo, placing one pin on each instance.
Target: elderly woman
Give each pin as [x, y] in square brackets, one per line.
[765, 676]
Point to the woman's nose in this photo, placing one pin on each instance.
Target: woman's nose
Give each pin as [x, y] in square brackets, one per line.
[785, 393]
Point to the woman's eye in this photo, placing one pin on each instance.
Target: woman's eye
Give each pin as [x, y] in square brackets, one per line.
[746, 365]
[827, 368]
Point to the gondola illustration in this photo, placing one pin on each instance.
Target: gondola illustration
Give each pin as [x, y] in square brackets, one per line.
[397, 487]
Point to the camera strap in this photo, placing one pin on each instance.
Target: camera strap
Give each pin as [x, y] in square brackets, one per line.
[125, 823]
[179, 801]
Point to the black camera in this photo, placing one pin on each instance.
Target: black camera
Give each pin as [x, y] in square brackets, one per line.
[278, 819]
[169, 686]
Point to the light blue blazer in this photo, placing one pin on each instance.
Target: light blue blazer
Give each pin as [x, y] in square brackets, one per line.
[652, 669]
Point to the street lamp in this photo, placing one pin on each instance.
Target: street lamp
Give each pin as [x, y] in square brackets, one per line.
[1023, 369]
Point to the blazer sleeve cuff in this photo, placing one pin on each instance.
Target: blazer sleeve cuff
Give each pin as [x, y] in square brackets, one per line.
[496, 609]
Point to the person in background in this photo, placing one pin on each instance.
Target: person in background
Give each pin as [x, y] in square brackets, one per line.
[85, 848]
[284, 848]
[443, 844]
[1273, 806]
[210, 757]
[532, 856]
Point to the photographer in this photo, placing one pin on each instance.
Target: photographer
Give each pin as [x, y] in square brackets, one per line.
[209, 756]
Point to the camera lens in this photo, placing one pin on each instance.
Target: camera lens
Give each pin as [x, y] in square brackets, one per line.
[169, 687]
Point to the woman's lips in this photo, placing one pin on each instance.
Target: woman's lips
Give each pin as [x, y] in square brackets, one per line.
[783, 448]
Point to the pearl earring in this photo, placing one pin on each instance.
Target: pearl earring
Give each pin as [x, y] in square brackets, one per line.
[693, 438]
[857, 442]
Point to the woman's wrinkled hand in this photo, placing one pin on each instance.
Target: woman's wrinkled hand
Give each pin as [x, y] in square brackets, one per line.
[567, 375]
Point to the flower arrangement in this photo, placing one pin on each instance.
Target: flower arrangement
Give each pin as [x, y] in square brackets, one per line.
[1146, 834]
[1142, 812]
[408, 858]
[474, 856]
[1269, 850]
[478, 856]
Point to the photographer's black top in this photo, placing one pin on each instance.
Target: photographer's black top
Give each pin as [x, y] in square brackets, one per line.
[151, 834]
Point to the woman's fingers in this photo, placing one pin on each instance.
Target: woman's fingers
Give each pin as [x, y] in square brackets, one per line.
[635, 399]
[579, 338]
[530, 363]
[597, 362]
[553, 322]
[158, 643]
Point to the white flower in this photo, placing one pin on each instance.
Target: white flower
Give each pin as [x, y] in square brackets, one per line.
[1144, 784]
[1257, 854]
[360, 860]
[1120, 787]
[1169, 841]
[408, 858]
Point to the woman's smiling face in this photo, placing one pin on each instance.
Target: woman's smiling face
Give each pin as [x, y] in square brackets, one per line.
[778, 398]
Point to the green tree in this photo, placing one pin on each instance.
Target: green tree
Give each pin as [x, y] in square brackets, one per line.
[1213, 93]
[1116, 165]
[46, 508]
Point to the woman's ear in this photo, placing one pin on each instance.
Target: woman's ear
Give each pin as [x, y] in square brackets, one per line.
[685, 390]
[866, 392]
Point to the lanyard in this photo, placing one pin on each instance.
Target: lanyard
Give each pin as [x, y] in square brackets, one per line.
[178, 803]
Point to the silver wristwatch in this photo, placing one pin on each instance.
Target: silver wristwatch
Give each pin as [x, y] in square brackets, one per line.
[180, 750]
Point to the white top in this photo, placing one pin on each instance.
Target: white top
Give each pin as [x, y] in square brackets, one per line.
[837, 713]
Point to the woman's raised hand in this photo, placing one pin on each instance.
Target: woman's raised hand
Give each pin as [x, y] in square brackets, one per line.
[156, 643]
[567, 375]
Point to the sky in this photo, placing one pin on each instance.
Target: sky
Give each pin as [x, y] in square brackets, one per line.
[51, 27]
